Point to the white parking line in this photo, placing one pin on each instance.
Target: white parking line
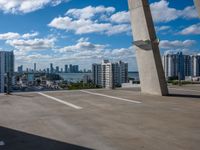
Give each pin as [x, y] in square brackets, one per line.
[113, 97]
[61, 101]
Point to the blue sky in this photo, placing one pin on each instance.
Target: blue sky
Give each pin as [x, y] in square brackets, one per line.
[86, 31]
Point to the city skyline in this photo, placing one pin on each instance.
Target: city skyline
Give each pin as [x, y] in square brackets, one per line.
[53, 68]
[103, 33]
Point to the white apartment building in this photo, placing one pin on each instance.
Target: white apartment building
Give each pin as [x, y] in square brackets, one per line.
[110, 75]
[180, 65]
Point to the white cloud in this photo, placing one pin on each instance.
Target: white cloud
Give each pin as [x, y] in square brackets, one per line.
[9, 36]
[161, 12]
[80, 23]
[89, 12]
[81, 26]
[26, 6]
[121, 17]
[13, 35]
[116, 29]
[84, 49]
[82, 45]
[193, 29]
[31, 44]
[166, 44]
[30, 35]
[162, 28]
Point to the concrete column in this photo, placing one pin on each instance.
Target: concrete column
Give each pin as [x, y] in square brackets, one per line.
[197, 3]
[147, 51]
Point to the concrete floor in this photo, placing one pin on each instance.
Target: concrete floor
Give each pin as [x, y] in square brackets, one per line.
[115, 120]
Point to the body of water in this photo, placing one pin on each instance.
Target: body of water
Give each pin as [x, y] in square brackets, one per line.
[76, 77]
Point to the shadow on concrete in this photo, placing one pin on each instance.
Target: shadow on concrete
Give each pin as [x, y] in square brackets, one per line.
[184, 95]
[18, 140]
[21, 95]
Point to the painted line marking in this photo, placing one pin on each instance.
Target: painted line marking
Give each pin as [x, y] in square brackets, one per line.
[113, 97]
[186, 90]
[61, 101]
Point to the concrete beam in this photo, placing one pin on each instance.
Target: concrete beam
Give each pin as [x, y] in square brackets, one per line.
[147, 51]
[197, 3]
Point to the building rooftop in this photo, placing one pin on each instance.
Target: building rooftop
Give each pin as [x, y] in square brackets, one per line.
[121, 119]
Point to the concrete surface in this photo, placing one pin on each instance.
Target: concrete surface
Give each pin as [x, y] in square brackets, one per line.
[149, 60]
[30, 121]
[197, 3]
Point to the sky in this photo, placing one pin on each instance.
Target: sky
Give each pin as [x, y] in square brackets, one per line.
[83, 32]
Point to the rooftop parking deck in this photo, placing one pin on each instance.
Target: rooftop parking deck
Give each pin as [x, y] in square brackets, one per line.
[121, 119]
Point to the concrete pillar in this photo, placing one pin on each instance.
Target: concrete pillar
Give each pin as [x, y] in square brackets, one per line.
[197, 3]
[147, 51]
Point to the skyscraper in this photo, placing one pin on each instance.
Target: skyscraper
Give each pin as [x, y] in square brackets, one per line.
[20, 69]
[57, 69]
[179, 65]
[35, 69]
[96, 74]
[51, 68]
[66, 68]
[195, 61]
[75, 69]
[110, 75]
[6, 68]
[71, 68]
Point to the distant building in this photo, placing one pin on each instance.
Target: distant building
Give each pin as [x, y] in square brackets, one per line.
[71, 68]
[195, 65]
[96, 74]
[20, 69]
[57, 69]
[179, 65]
[35, 69]
[66, 68]
[48, 70]
[6, 68]
[75, 69]
[51, 68]
[110, 75]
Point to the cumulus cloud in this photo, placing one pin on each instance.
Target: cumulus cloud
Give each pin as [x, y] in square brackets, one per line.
[89, 20]
[83, 52]
[166, 44]
[121, 17]
[89, 12]
[163, 13]
[82, 45]
[26, 6]
[84, 49]
[30, 35]
[162, 28]
[9, 36]
[32, 44]
[81, 26]
[14, 35]
[193, 29]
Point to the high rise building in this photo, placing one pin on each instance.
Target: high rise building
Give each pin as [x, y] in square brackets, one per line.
[71, 68]
[20, 69]
[48, 70]
[51, 68]
[6, 68]
[195, 61]
[96, 74]
[35, 69]
[179, 66]
[75, 69]
[66, 68]
[110, 75]
[57, 69]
